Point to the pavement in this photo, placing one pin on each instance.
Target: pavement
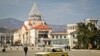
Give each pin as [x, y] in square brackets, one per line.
[18, 51]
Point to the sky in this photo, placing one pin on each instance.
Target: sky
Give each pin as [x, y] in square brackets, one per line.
[53, 11]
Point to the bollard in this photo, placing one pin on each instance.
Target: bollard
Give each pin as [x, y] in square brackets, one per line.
[11, 49]
[32, 48]
[17, 48]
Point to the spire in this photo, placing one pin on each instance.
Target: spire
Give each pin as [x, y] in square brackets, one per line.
[34, 10]
[34, 13]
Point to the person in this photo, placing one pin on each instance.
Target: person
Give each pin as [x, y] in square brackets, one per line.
[25, 50]
[69, 47]
[4, 50]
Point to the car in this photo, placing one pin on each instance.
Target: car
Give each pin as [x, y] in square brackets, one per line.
[50, 49]
[53, 52]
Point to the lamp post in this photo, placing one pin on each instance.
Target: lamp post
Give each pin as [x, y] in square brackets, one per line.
[5, 39]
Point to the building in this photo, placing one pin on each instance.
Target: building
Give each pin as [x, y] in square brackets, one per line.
[37, 32]
[6, 38]
[34, 30]
[59, 36]
[71, 31]
[91, 20]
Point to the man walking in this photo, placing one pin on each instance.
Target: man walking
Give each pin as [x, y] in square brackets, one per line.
[25, 50]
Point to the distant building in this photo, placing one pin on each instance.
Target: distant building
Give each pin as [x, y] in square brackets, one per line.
[6, 39]
[90, 20]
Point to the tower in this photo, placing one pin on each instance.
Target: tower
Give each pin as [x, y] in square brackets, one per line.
[34, 14]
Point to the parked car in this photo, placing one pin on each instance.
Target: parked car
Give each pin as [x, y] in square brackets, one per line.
[53, 52]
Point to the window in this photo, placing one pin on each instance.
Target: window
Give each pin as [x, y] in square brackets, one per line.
[19, 35]
[74, 36]
[34, 23]
[74, 42]
[23, 35]
[56, 36]
[60, 36]
[26, 33]
[64, 36]
[53, 36]
[73, 28]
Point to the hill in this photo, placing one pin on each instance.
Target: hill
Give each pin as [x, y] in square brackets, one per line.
[10, 24]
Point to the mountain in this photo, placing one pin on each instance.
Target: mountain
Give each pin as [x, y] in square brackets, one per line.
[10, 24]
[58, 28]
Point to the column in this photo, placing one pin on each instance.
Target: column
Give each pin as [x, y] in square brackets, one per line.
[5, 39]
[47, 42]
[10, 39]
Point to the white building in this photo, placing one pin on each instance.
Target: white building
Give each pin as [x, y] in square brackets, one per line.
[71, 31]
[64, 36]
[33, 30]
[91, 20]
[36, 31]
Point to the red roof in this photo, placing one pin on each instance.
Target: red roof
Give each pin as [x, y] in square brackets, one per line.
[41, 27]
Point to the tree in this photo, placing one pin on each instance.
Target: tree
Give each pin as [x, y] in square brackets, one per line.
[81, 35]
[87, 34]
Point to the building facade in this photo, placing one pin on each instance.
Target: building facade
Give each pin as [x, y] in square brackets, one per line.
[36, 32]
[33, 30]
[6, 39]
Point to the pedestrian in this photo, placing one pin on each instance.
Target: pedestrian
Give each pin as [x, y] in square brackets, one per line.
[4, 50]
[25, 50]
[69, 47]
[65, 47]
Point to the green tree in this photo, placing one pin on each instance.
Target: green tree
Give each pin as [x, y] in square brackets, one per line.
[87, 34]
[81, 35]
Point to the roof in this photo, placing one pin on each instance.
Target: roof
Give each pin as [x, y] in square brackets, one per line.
[34, 10]
[71, 25]
[41, 27]
[89, 19]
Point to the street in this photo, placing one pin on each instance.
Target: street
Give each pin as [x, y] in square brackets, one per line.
[20, 52]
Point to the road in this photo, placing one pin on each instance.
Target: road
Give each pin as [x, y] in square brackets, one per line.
[20, 52]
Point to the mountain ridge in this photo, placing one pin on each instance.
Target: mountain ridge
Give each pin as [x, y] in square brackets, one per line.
[10, 24]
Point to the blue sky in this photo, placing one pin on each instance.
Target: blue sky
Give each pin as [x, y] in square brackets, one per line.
[53, 11]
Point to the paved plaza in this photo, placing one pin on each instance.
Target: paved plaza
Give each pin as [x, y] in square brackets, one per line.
[16, 51]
